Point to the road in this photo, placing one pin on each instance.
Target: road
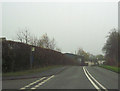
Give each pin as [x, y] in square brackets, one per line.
[74, 77]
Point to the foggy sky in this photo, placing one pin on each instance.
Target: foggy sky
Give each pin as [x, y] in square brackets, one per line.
[73, 25]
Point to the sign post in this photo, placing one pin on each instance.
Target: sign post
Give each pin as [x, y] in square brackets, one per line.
[31, 56]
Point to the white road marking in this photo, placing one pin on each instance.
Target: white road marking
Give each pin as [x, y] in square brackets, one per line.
[42, 82]
[33, 83]
[91, 80]
[96, 81]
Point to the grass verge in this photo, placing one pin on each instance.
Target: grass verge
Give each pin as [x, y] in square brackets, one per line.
[31, 71]
[112, 68]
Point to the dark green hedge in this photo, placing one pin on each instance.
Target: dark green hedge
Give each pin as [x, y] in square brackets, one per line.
[16, 57]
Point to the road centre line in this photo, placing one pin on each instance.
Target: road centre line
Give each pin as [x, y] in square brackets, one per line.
[32, 83]
[96, 81]
[42, 82]
[91, 80]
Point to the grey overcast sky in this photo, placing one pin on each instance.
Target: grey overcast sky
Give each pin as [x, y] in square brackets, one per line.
[73, 25]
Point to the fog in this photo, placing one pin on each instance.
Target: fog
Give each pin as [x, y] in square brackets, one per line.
[73, 25]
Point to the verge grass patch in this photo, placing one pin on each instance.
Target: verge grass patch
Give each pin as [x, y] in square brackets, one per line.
[112, 68]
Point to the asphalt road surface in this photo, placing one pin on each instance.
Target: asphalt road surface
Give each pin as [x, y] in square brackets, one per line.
[74, 77]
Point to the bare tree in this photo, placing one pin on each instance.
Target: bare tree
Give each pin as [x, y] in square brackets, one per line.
[44, 41]
[23, 36]
[52, 44]
[40, 43]
[33, 40]
[20, 36]
[26, 36]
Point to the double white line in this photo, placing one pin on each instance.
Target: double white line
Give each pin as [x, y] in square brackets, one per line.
[37, 82]
[93, 80]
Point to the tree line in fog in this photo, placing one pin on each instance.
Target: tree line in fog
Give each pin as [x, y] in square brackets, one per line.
[24, 36]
